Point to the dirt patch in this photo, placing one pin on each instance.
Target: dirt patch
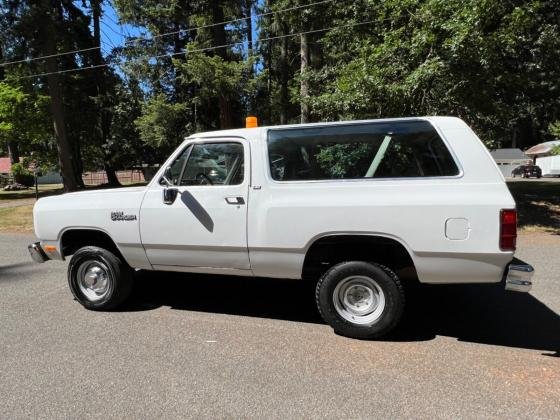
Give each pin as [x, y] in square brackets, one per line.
[17, 219]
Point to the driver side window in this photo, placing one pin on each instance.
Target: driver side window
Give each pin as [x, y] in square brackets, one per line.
[213, 164]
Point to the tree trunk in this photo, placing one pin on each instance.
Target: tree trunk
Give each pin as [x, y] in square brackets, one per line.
[249, 19]
[283, 78]
[112, 178]
[514, 138]
[2, 74]
[226, 120]
[248, 14]
[12, 145]
[219, 35]
[13, 152]
[304, 87]
[104, 115]
[64, 148]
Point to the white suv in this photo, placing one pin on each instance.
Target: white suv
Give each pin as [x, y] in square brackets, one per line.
[362, 208]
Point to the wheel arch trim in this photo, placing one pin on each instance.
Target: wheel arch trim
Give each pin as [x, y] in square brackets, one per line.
[324, 235]
[92, 229]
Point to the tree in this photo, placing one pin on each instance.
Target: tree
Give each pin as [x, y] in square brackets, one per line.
[490, 63]
[101, 82]
[50, 22]
[161, 123]
[554, 129]
[24, 121]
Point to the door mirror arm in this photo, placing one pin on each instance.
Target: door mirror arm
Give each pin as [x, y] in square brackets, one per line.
[166, 177]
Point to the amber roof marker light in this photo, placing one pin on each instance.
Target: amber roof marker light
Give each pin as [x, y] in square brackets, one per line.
[251, 122]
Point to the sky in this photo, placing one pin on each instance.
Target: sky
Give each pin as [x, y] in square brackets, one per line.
[114, 34]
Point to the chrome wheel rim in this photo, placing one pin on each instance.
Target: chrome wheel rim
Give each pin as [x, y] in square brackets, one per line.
[359, 300]
[93, 280]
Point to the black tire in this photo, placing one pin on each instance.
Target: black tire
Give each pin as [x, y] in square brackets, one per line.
[118, 275]
[387, 281]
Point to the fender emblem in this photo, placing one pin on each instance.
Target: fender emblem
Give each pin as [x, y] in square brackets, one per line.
[119, 216]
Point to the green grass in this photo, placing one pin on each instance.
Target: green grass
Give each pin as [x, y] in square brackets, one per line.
[538, 205]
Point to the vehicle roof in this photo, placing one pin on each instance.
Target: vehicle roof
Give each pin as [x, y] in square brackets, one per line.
[251, 132]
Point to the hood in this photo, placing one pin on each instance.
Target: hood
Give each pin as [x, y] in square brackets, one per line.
[123, 190]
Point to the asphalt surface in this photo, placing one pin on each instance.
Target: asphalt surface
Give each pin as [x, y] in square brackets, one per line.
[201, 346]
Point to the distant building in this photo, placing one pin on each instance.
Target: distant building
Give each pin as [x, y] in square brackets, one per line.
[509, 159]
[542, 149]
[5, 165]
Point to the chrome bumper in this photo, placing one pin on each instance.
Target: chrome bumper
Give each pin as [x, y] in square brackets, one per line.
[518, 278]
[37, 253]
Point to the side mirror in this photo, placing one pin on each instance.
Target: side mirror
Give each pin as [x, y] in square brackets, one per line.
[170, 195]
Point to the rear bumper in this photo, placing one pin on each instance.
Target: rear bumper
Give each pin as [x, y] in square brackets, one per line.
[518, 276]
[37, 253]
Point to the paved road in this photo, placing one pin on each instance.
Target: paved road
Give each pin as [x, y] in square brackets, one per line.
[230, 347]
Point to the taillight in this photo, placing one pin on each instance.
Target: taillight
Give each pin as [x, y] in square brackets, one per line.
[508, 229]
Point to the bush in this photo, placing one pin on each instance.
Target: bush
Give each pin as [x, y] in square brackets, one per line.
[19, 169]
[22, 175]
[26, 179]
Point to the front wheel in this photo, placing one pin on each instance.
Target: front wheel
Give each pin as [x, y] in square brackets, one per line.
[360, 300]
[98, 279]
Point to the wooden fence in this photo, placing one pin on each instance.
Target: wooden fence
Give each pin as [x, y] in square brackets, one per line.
[132, 176]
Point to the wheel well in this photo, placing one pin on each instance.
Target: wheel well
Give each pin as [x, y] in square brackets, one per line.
[331, 250]
[74, 239]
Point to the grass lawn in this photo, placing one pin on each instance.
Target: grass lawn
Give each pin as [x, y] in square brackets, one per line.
[538, 205]
[19, 217]
[16, 219]
[44, 190]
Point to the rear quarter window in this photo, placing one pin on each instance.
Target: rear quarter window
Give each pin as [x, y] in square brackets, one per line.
[403, 149]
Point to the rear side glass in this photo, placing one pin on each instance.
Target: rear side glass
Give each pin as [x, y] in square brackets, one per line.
[401, 149]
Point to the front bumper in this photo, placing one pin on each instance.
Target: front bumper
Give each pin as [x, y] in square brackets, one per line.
[518, 276]
[37, 253]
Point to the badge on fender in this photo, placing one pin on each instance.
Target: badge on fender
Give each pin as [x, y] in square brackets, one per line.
[119, 216]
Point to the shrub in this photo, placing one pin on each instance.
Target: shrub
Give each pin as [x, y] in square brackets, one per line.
[22, 175]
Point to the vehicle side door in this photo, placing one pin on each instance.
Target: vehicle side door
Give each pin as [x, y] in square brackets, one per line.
[206, 225]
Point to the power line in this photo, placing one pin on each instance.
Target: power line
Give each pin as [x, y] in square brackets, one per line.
[211, 25]
[208, 48]
[133, 40]
[112, 30]
[122, 27]
[44, 57]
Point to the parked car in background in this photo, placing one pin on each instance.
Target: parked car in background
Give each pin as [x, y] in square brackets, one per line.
[527, 171]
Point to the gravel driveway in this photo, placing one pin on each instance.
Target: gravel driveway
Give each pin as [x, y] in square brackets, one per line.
[203, 346]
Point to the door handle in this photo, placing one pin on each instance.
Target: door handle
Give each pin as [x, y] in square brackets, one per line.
[236, 201]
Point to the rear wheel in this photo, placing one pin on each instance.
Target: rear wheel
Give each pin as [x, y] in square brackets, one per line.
[360, 300]
[98, 279]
